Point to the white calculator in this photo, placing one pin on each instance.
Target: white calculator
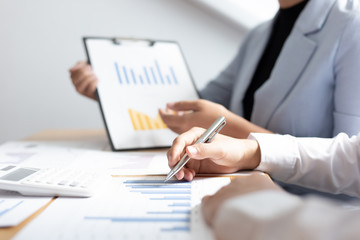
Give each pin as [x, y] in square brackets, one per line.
[49, 181]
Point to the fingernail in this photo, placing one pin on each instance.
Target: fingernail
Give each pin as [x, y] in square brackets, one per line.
[170, 104]
[192, 150]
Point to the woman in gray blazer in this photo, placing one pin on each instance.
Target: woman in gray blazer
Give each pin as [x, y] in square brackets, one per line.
[297, 74]
[313, 88]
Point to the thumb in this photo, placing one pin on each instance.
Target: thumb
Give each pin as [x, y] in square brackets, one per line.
[204, 150]
[77, 66]
[184, 106]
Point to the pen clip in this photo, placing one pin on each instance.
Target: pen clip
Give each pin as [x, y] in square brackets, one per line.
[216, 131]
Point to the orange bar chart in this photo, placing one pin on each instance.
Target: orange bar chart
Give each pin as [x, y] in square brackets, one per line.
[141, 121]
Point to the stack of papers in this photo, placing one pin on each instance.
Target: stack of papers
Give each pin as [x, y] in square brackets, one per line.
[129, 208]
[77, 155]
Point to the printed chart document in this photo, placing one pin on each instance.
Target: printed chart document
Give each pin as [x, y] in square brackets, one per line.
[15, 208]
[124, 163]
[44, 154]
[129, 208]
[136, 79]
[39, 154]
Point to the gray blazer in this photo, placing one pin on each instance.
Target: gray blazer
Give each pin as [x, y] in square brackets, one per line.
[314, 87]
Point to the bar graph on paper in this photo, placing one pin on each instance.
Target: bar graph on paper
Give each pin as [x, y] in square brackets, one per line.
[166, 207]
[130, 208]
[146, 75]
[161, 210]
[141, 121]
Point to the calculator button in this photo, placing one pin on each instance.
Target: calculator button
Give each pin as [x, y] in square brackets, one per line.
[63, 182]
[50, 181]
[74, 184]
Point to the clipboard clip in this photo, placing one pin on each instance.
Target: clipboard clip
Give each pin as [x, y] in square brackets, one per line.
[120, 40]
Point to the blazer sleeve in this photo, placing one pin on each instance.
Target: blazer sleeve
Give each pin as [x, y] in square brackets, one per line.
[279, 215]
[326, 164]
[347, 79]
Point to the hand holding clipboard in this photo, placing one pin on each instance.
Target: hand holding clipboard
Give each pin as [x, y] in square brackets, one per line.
[84, 79]
[136, 77]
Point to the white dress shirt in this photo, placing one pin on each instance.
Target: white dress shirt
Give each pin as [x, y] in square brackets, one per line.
[330, 165]
[325, 164]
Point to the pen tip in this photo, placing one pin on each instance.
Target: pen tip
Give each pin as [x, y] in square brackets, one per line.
[167, 178]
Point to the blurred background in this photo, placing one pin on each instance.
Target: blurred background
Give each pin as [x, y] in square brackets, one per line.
[41, 39]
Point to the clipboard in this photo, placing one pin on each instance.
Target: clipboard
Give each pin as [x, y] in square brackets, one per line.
[136, 78]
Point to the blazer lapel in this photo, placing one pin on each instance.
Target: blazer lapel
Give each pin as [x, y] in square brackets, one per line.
[255, 48]
[292, 61]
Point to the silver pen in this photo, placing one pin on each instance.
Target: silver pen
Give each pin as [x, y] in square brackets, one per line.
[207, 136]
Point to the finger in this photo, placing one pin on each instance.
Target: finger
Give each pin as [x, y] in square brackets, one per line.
[76, 76]
[192, 171]
[180, 142]
[184, 106]
[165, 113]
[171, 120]
[78, 65]
[189, 174]
[84, 83]
[180, 175]
[90, 89]
[205, 150]
[80, 73]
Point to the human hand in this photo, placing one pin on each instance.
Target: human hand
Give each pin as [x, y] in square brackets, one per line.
[84, 79]
[255, 181]
[222, 155]
[183, 115]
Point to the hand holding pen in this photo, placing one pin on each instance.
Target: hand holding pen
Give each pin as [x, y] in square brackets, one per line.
[207, 136]
[221, 155]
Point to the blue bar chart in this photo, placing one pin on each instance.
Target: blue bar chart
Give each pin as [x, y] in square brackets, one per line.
[167, 205]
[130, 207]
[153, 74]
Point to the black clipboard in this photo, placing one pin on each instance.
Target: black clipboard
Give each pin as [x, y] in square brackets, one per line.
[136, 78]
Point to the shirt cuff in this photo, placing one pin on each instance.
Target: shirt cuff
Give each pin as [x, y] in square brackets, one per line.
[278, 154]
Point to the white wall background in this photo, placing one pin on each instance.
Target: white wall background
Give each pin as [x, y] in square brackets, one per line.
[41, 39]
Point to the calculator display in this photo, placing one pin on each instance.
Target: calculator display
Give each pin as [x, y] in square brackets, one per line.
[18, 174]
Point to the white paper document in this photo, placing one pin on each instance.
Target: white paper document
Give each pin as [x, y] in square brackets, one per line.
[15, 208]
[79, 155]
[129, 208]
[122, 163]
[42, 153]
